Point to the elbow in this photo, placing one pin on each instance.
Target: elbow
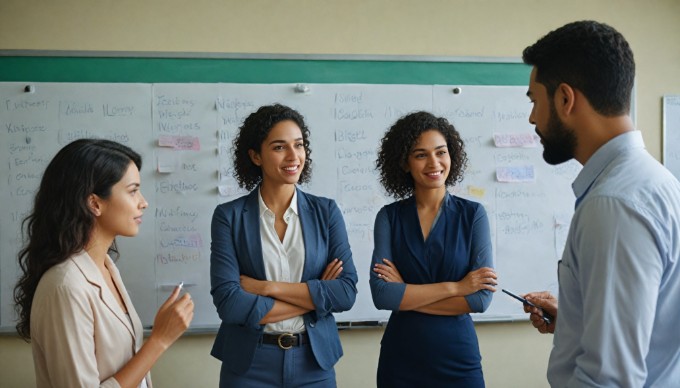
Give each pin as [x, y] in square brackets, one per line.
[348, 298]
[346, 303]
[381, 304]
[334, 296]
[225, 309]
[383, 299]
[225, 300]
[486, 302]
[480, 301]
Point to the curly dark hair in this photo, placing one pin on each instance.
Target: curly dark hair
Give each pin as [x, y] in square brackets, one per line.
[589, 56]
[396, 146]
[61, 222]
[254, 131]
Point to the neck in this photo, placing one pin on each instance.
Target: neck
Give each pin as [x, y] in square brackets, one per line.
[98, 248]
[429, 198]
[597, 131]
[277, 197]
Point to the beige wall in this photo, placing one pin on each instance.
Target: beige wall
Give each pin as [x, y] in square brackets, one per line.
[513, 354]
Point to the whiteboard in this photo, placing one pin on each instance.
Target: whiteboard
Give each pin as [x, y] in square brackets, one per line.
[185, 131]
[671, 134]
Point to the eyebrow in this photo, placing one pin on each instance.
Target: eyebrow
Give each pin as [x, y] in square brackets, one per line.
[283, 141]
[134, 185]
[424, 150]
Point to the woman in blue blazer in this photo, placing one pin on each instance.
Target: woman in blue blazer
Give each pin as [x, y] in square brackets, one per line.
[280, 263]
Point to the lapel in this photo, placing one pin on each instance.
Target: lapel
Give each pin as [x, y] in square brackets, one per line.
[310, 233]
[92, 274]
[137, 328]
[251, 229]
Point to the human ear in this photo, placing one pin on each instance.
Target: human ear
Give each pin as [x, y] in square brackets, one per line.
[255, 157]
[564, 99]
[404, 166]
[94, 204]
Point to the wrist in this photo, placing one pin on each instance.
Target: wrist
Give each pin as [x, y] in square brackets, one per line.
[156, 344]
[269, 288]
[452, 288]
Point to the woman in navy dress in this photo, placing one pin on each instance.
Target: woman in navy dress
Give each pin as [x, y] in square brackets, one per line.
[432, 261]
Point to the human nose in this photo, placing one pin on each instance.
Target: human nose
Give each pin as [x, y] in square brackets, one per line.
[291, 154]
[532, 121]
[143, 204]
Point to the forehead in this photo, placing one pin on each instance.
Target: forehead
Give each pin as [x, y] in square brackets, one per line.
[131, 174]
[534, 87]
[284, 130]
[430, 138]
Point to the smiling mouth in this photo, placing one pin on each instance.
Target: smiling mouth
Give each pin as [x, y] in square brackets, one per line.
[434, 174]
[291, 170]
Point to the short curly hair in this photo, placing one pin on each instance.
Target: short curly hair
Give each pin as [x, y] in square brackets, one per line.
[396, 146]
[254, 131]
[589, 56]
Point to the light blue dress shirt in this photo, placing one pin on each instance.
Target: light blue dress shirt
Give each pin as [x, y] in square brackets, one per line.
[619, 277]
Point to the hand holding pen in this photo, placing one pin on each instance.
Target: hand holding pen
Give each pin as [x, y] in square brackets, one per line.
[544, 305]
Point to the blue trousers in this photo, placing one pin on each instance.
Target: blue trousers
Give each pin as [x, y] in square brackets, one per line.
[276, 367]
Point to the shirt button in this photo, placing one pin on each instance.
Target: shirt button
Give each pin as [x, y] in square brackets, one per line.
[311, 324]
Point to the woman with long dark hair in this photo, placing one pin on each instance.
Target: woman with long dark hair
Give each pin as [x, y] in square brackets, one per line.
[72, 304]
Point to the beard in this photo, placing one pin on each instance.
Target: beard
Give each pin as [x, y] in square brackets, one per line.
[559, 142]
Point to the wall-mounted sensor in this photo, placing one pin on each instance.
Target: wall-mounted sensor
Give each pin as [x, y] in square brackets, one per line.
[29, 88]
[457, 90]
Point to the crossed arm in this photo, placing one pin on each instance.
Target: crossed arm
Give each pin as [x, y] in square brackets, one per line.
[445, 298]
[243, 300]
[470, 294]
[290, 299]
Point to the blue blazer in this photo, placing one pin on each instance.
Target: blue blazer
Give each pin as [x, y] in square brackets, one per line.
[236, 249]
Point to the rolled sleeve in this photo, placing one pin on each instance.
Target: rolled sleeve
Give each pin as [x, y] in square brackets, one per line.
[338, 295]
[481, 256]
[234, 305]
[386, 295]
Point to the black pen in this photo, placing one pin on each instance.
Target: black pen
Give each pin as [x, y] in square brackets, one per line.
[547, 318]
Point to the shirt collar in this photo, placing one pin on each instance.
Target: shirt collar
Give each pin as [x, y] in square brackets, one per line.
[603, 157]
[263, 206]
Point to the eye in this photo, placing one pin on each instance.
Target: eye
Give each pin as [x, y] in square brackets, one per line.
[419, 156]
[300, 145]
[441, 152]
[278, 147]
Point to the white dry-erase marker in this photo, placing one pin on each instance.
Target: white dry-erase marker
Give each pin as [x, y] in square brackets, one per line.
[180, 285]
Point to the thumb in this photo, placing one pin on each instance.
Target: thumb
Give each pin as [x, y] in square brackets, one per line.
[172, 298]
[536, 301]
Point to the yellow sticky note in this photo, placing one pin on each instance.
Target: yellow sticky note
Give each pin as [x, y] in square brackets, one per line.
[477, 192]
